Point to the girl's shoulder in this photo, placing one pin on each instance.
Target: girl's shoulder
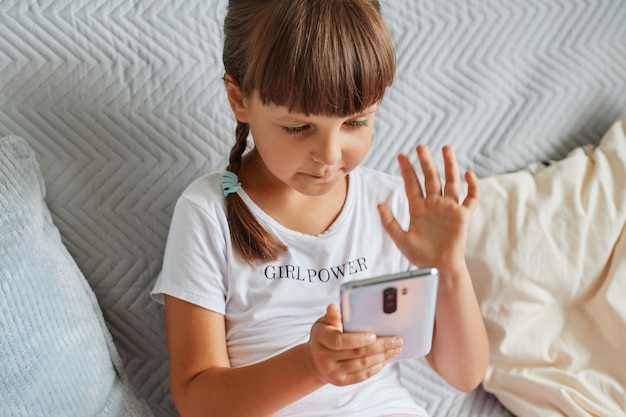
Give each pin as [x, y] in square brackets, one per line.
[205, 192]
[377, 175]
[377, 183]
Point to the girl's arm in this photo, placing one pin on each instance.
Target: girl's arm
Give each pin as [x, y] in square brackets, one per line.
[203, 382]
[460, 351]
[436, 237]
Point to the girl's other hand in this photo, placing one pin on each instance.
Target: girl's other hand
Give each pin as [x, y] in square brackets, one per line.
[347, 358]
[439, 222]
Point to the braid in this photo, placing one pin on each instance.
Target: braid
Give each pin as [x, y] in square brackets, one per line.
[236, 153]
[252, 240]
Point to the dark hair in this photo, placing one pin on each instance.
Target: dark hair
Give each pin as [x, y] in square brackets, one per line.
[316, 57]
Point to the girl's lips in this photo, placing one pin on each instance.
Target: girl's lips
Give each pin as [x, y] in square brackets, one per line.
[323, 177]
[328, 175]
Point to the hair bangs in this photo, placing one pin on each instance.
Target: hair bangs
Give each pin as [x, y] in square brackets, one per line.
[327, 58]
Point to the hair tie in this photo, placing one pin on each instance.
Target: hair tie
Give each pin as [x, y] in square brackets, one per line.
[230, 183]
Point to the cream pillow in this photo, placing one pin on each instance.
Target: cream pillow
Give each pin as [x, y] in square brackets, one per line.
[547, 252]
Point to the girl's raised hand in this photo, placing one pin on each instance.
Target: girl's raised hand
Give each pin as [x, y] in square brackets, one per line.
[347, 358]
[438, 226]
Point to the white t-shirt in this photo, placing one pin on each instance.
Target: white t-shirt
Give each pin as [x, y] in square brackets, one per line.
[270, 308]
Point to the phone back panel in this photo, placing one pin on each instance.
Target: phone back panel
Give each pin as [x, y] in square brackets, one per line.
[367, 307]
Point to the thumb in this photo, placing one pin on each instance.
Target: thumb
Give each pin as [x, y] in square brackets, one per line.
[390, 224]
[333, 316]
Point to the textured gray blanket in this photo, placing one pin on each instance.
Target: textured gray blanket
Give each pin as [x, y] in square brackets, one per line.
[122, 102]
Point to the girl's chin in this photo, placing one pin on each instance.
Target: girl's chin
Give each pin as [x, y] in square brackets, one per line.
[315, 186]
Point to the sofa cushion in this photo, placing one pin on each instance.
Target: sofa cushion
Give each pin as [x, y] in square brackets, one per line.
[547, 252]
[56, 354]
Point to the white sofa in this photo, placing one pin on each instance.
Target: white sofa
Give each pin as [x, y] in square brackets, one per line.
[110, 109]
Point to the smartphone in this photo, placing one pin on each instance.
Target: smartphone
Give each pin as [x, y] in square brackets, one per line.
[394, 305]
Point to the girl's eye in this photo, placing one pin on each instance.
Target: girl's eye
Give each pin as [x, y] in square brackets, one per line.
[357, 123]
[294, 130]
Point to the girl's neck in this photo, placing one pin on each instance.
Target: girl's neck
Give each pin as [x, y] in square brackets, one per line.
[310, 215]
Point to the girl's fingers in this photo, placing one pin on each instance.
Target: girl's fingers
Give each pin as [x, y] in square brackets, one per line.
[346, 342]
[412, 184]
[473, 191]
[452, 188]
[328, 332]
[347, 346]
[333, 316]
[432, 182]
[361, 375]
[346, 358]
[362, 367]
[365, 356]
[390, 224]
[363, 364]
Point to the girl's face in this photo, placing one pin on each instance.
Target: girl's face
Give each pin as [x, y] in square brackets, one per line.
[309, 154]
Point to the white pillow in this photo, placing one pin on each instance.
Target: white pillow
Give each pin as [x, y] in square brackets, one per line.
[547, 252]
[56, 354]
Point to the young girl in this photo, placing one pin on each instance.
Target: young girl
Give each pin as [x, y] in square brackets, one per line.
[256, 253]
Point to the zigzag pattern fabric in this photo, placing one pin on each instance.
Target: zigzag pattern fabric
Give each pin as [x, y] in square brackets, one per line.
[124, 105]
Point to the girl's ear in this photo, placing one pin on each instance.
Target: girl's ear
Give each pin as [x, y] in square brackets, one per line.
[236, 98]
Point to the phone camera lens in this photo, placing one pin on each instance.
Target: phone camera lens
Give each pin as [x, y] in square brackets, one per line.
[390, 300]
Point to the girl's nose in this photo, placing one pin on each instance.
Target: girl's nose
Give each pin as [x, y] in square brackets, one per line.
[328, 148]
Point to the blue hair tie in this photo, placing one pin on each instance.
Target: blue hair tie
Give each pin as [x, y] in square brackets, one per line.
[230, 183]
